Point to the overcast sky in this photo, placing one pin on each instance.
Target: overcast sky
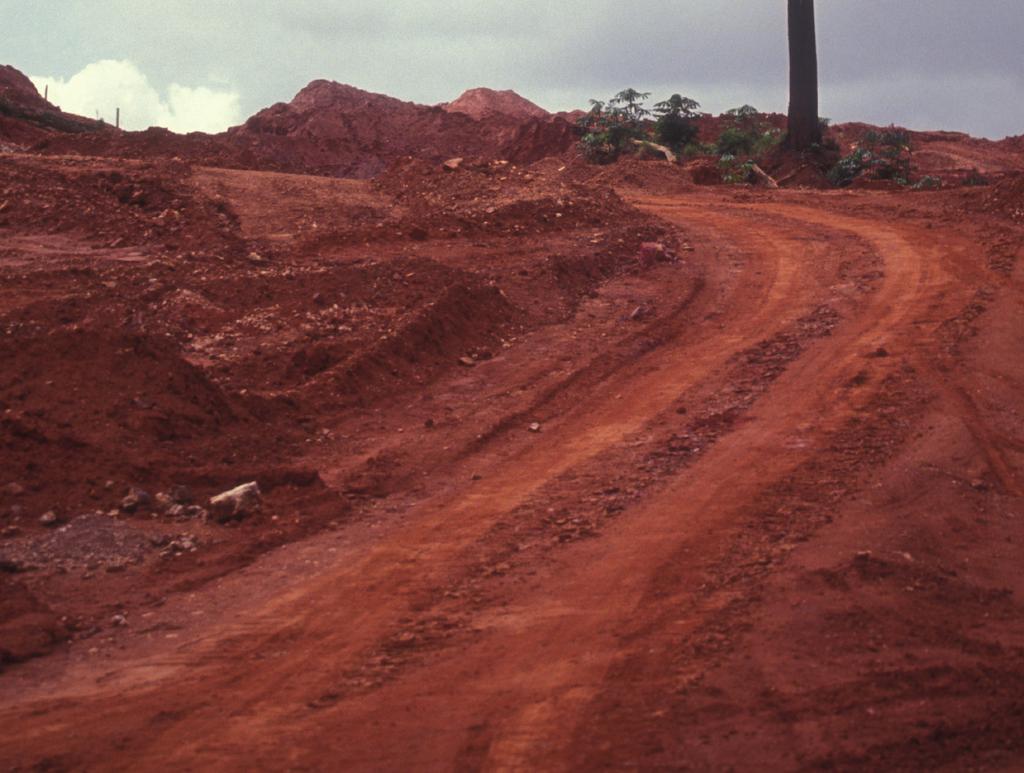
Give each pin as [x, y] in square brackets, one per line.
[207, 64]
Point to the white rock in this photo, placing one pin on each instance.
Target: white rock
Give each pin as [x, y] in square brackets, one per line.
[237, 503]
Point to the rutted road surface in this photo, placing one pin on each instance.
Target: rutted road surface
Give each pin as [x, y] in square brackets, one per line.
[781, 537]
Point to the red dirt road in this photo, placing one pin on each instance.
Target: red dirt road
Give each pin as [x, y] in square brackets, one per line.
[779, 529]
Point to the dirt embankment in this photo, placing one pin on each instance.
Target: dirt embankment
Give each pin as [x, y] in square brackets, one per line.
[170, 328]
[26, 118]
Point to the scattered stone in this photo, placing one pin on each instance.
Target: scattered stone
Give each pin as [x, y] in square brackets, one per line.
[535, 427]
[163, 501]
[119, 621]
[136, 498]
[467, 362]
[237, 503]
[880, 352]
[452, 164]
[638, 314]
[49, 518]
[255, 257]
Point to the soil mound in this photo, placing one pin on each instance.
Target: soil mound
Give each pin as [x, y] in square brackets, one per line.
[338, 130]
[1007, 197]
[28, 628]
[82, 407]
[154, 143]
[486, 103]
[540, 138]
[17, 89]
[500, 197]
[26, 118]
[149, 204]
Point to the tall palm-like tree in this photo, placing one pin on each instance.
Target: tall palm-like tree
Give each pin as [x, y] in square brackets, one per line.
[804, 124]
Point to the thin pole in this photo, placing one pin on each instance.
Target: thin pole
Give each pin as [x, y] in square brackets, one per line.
[117, 124]
[46, 92]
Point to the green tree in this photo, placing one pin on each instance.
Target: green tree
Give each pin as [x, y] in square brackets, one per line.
[676, 125]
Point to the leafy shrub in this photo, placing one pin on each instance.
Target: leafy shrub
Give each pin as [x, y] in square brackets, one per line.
[735, 171]
[883, 155]
[610, 127]
[746, 133]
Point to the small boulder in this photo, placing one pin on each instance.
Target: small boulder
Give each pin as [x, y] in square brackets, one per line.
[452, 164]
[135, 499]
[49, 519]
[237, 503]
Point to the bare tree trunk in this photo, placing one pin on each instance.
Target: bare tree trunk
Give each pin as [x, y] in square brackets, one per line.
[804, 124]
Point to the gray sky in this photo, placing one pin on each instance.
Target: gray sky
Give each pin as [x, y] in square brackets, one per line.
[203, 64]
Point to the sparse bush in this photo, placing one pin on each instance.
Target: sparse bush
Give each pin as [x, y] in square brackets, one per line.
[610, 127]
[747, 133]
[882, 155]
[735, 171]
[928, 183]
[695, 149]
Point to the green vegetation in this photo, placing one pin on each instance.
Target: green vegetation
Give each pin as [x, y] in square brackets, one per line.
[676, 126]
[609, 128]
[747, 133]
[882, 155]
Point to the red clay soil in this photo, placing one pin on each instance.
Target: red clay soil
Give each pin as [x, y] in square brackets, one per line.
[484, 103]
[562, 468]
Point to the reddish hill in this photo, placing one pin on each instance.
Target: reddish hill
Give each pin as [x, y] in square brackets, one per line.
[339, 130]
[327, 129]
[26, 118]
[487, 103]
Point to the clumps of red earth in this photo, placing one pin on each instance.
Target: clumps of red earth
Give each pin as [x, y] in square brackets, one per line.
[499, 197]
[153, 143]
[1007, 197]
[28, 627]
[147, 204]
[86, 406]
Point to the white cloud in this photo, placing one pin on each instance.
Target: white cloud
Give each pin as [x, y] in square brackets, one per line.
[102, 87]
